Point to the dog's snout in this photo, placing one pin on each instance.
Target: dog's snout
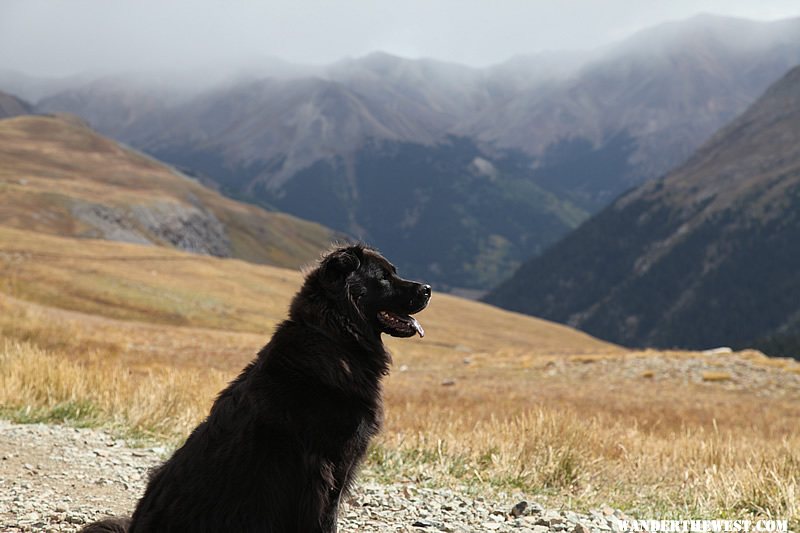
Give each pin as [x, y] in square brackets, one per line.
[419, 296]
[426, 290]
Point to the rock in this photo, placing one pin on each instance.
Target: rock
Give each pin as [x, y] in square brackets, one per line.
[717, 351]
[519, 509]
[75, 519]
[535, 508]
[449, 382]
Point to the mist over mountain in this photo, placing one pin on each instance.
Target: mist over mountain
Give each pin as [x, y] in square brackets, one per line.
[643, 105]
[567, 131]
[703, 257]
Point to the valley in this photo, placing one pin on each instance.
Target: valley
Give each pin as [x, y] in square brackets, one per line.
[700, 258]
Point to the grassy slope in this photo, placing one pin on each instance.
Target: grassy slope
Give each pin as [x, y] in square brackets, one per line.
[144, 337]
[48, 165]
[163, 286]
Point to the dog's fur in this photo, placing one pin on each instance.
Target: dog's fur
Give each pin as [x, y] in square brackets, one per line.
[282, 442]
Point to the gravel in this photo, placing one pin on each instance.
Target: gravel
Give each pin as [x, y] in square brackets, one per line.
[58, 478]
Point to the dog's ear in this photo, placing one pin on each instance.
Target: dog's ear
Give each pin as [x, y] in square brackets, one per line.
[341, 262]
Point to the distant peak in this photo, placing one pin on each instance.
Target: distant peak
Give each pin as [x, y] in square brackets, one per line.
[380, 55]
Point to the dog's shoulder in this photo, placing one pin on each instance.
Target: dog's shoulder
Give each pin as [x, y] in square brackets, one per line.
[301, 353]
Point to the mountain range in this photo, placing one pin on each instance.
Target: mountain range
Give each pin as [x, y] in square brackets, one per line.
[460, 173]
[705, 256]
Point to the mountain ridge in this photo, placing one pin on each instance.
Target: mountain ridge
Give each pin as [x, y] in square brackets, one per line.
[579, 133]
[699, 258]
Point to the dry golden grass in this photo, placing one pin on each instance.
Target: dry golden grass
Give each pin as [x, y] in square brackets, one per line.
[565, 457]
[717, 376]
[163, 286]
[161, 402]
[535, 406]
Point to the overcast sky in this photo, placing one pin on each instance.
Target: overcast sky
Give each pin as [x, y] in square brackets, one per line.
[59, 37]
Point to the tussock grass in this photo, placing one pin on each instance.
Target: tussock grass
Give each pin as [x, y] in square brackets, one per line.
[581, 461]
[563, 457]
[162, 403]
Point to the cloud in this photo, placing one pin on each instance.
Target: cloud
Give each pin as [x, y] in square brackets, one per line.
[58, 38]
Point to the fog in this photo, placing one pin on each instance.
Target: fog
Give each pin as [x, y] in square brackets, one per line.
[59, 38]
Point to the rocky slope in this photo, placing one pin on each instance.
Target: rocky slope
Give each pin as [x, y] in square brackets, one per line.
[703, 257]
[60, 177]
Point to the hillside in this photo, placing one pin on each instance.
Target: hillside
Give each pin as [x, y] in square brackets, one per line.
[59, 177]
[364, 152]
[706, 256]
[11, 106]
[171, 288]
[139, 340]
[447, 213]
[563, 134]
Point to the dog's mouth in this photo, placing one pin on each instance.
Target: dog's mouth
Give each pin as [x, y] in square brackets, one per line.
[398, 325]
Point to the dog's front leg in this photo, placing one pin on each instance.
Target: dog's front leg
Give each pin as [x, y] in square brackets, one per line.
[319, 501]
[330, 515]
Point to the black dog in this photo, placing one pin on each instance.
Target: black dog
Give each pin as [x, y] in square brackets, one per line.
[282, 442]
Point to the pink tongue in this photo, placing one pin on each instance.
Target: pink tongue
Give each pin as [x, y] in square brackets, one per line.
[417, 326]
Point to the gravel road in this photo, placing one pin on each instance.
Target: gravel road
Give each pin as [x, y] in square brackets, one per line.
[57, 478]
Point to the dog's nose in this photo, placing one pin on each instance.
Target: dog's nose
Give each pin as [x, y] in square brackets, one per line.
[426, 290]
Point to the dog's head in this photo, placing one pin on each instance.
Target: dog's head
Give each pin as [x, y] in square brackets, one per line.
[366, 287]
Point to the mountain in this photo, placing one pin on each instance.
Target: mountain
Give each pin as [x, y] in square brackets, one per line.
[705, 256]
[320, 149]
[60, 177]
[11, 106]
[642, 106]
[563, 133]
